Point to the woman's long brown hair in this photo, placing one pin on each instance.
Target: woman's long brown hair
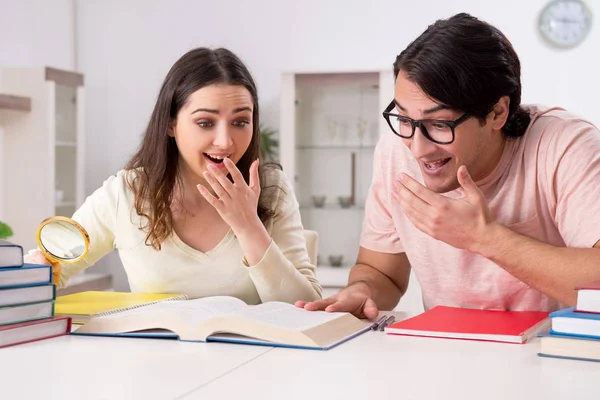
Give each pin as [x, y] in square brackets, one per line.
[155, 166]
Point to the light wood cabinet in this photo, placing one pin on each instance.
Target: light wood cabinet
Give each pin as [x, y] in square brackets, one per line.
[42, 147]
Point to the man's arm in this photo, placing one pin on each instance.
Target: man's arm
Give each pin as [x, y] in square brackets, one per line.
[384, 275]
[555, 271]
[377, 281]
[466, 224]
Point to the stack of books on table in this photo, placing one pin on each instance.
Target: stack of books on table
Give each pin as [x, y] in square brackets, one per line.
[575, 332]
[26, 300]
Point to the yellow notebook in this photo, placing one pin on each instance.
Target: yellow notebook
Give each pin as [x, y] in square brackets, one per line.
[85, 305]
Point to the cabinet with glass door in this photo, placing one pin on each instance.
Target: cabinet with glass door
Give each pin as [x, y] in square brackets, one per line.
[330, 124]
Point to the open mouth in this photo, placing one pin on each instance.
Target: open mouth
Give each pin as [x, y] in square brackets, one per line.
[437, 165]
[215, 159]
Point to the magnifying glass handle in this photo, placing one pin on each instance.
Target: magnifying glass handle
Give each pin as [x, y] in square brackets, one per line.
[37, 257]
[56, 269]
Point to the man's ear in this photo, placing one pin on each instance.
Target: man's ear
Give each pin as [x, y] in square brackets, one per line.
[499, 113]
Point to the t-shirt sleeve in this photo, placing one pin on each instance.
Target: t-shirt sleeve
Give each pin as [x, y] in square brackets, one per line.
[379, 232]
[573, 163]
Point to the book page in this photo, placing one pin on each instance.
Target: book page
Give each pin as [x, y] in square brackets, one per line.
[192, 311]
[284, 315]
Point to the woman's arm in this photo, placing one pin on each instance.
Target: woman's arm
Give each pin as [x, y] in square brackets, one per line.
[98, 216]
[285, 272]
[276, 257]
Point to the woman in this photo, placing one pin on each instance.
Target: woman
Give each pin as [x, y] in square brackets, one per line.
[194, 212]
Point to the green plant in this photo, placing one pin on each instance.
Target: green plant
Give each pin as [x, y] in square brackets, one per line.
[5, 231]
[268, 144]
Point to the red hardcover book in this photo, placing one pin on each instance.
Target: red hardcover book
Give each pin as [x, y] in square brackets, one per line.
[31, 331]
[466, 323]
[588, 298]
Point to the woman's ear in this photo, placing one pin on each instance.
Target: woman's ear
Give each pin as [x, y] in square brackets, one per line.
[500, 113]
[171, 131]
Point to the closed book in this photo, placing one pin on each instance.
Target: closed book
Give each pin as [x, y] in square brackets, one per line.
[27, 275]
[473, 324]
[11, 255]
[585, 348]
[32, 331]
[228, 319]
[26, 312]
[588, 298]
[27, 294]
[568, 321]
[84, 305]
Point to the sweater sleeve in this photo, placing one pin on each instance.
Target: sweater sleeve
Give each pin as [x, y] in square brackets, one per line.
[97, 215]
[285, 272]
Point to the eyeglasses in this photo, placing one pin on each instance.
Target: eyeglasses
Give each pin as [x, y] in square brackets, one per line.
[437, 131]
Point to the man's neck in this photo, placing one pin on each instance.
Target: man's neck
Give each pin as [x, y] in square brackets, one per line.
[496, 150]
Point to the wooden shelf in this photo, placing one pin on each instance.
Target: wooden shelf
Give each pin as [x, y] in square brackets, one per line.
[65, 78]
[65, 204]
[15, 103]
[338, 78]
[64, 143]
[331, 207]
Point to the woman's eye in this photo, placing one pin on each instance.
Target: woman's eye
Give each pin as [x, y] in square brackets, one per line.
[241, 123]
[205, 124]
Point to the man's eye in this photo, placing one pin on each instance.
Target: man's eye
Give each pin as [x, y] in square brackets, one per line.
[439, 126]
[404, 121]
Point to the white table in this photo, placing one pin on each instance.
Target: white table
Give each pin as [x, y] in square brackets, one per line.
[79, 367]
[371, 366]
[380, 366]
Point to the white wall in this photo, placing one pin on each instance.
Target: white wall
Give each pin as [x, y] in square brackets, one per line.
[126, 47]
[36, 33]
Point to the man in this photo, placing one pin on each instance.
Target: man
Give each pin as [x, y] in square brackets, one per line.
[493, 204]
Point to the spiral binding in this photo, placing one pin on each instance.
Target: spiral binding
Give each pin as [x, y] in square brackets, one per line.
[122, 309]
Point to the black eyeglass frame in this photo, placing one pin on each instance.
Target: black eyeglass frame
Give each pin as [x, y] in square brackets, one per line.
[420, 123]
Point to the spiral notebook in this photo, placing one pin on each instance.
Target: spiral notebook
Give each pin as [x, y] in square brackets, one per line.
[85, 305]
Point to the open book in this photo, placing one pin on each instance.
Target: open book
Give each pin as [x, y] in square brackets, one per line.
[228, 319]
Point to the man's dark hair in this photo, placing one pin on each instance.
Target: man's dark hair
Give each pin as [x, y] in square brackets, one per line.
[467, 64]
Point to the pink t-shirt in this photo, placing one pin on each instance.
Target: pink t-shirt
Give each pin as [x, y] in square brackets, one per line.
[546, 186]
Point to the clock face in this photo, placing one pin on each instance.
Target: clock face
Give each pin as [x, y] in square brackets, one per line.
[565, 23]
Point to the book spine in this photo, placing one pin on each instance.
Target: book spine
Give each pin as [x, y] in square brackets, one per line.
[119, 310]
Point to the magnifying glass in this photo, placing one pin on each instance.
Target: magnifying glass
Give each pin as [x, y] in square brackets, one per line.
[62, 240]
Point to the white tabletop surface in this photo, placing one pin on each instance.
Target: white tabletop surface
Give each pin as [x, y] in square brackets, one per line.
[371, 366]
[380, 366]
[80, 367]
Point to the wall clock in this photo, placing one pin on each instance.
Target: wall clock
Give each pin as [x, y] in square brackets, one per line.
[565, 23]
